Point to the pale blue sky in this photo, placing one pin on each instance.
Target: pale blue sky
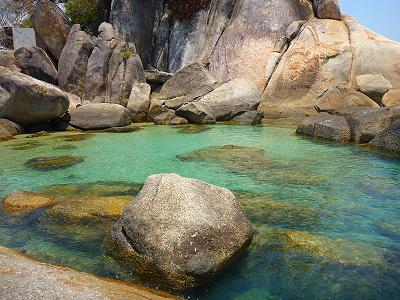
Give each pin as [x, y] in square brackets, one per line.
[382, 16]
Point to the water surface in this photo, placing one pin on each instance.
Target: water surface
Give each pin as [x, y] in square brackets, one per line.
[327, 217]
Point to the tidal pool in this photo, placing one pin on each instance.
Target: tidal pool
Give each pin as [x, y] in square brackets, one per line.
[327, 217]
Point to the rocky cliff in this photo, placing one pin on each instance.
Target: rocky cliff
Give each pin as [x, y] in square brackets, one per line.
[294, 50]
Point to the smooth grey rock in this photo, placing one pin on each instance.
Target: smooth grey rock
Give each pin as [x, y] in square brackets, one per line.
[365, 125]
[231, 99]
[391, 98]
[26, 100]
[139, 102]
[281, 45]
[35, 62]
[98, 63]
[342, 96]
[196, 113]
[293, 29]
[249, 118]
[72, 66]
[178, 121]
[52, 26]
[125, 68]
[99, 116]
[327, 9]
[389, 139]
[157, 107]
[24, 278]
[74, 101]
[179, 232]
[307, 125]
[134, 20]
[374, 86]
[187, 85]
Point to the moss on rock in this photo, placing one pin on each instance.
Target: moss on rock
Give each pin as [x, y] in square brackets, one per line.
[53, 163]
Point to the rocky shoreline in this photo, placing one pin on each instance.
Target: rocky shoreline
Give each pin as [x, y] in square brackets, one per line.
[24, 278]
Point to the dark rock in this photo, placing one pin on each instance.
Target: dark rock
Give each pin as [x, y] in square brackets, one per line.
[334, 129]
[53, 163]
[156, 76]
[178, 121]
[165, 118]
[327, 9]
[180, 233]
[35, 62]
[365, 125]
[249, 118]
[8, 129]
[73, 62]
[389, 139]
[52, 26]
[293, 29]
[99, 116]
[26, 100]
[308, 124]
[196, 113]
[124, 129]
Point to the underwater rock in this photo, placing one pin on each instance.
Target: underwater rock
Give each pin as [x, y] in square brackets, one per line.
[25, 145]
[194, 129]
[26, 202]
[53, 163]
[38, 134]
[75, 137]
[66, 147]
[87, 210]
[124, 129]
[180, 232]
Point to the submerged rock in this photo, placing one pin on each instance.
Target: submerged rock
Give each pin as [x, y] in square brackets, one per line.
[26, 202]
[194, 129]
[180, 232]
[75, 137]
[53, 163]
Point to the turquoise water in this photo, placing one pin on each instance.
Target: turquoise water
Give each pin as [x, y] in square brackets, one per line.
[327, 217]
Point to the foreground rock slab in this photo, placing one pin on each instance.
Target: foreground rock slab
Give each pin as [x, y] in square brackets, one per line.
[24, 278]
[26, 100]
[179, 232]
[100, 116]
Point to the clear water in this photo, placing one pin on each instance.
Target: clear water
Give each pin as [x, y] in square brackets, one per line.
[346, 199]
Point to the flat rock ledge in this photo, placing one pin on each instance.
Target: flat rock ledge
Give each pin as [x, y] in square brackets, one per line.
[24, 278]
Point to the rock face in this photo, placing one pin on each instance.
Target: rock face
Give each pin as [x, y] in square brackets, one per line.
[327, 9]
[249, 118]
[224, 103]
[52, 26]
[26, 100]
[139, 102]
[391, 98]
[35, 62]
[24, 278]
[72, 65]
[180, 232]
[374, 86]
[98, 64]
[342, 96]
[189, 84]
[389, 139]
[325, 126]
[99, 116]
[7, 60]
[8, 129]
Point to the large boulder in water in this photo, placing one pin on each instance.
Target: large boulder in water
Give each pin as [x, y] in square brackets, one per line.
[73, 62]
[99, 116]
[180, 232]
[224, 103]
[35, 62]
[52, 26]
[26, 100]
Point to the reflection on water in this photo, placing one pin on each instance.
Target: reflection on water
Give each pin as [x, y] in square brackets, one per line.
[326, 217]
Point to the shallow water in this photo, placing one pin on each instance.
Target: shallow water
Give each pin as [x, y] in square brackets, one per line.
[346, 199]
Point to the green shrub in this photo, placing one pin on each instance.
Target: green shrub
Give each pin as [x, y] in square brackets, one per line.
[83, 12]
[126, 54]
